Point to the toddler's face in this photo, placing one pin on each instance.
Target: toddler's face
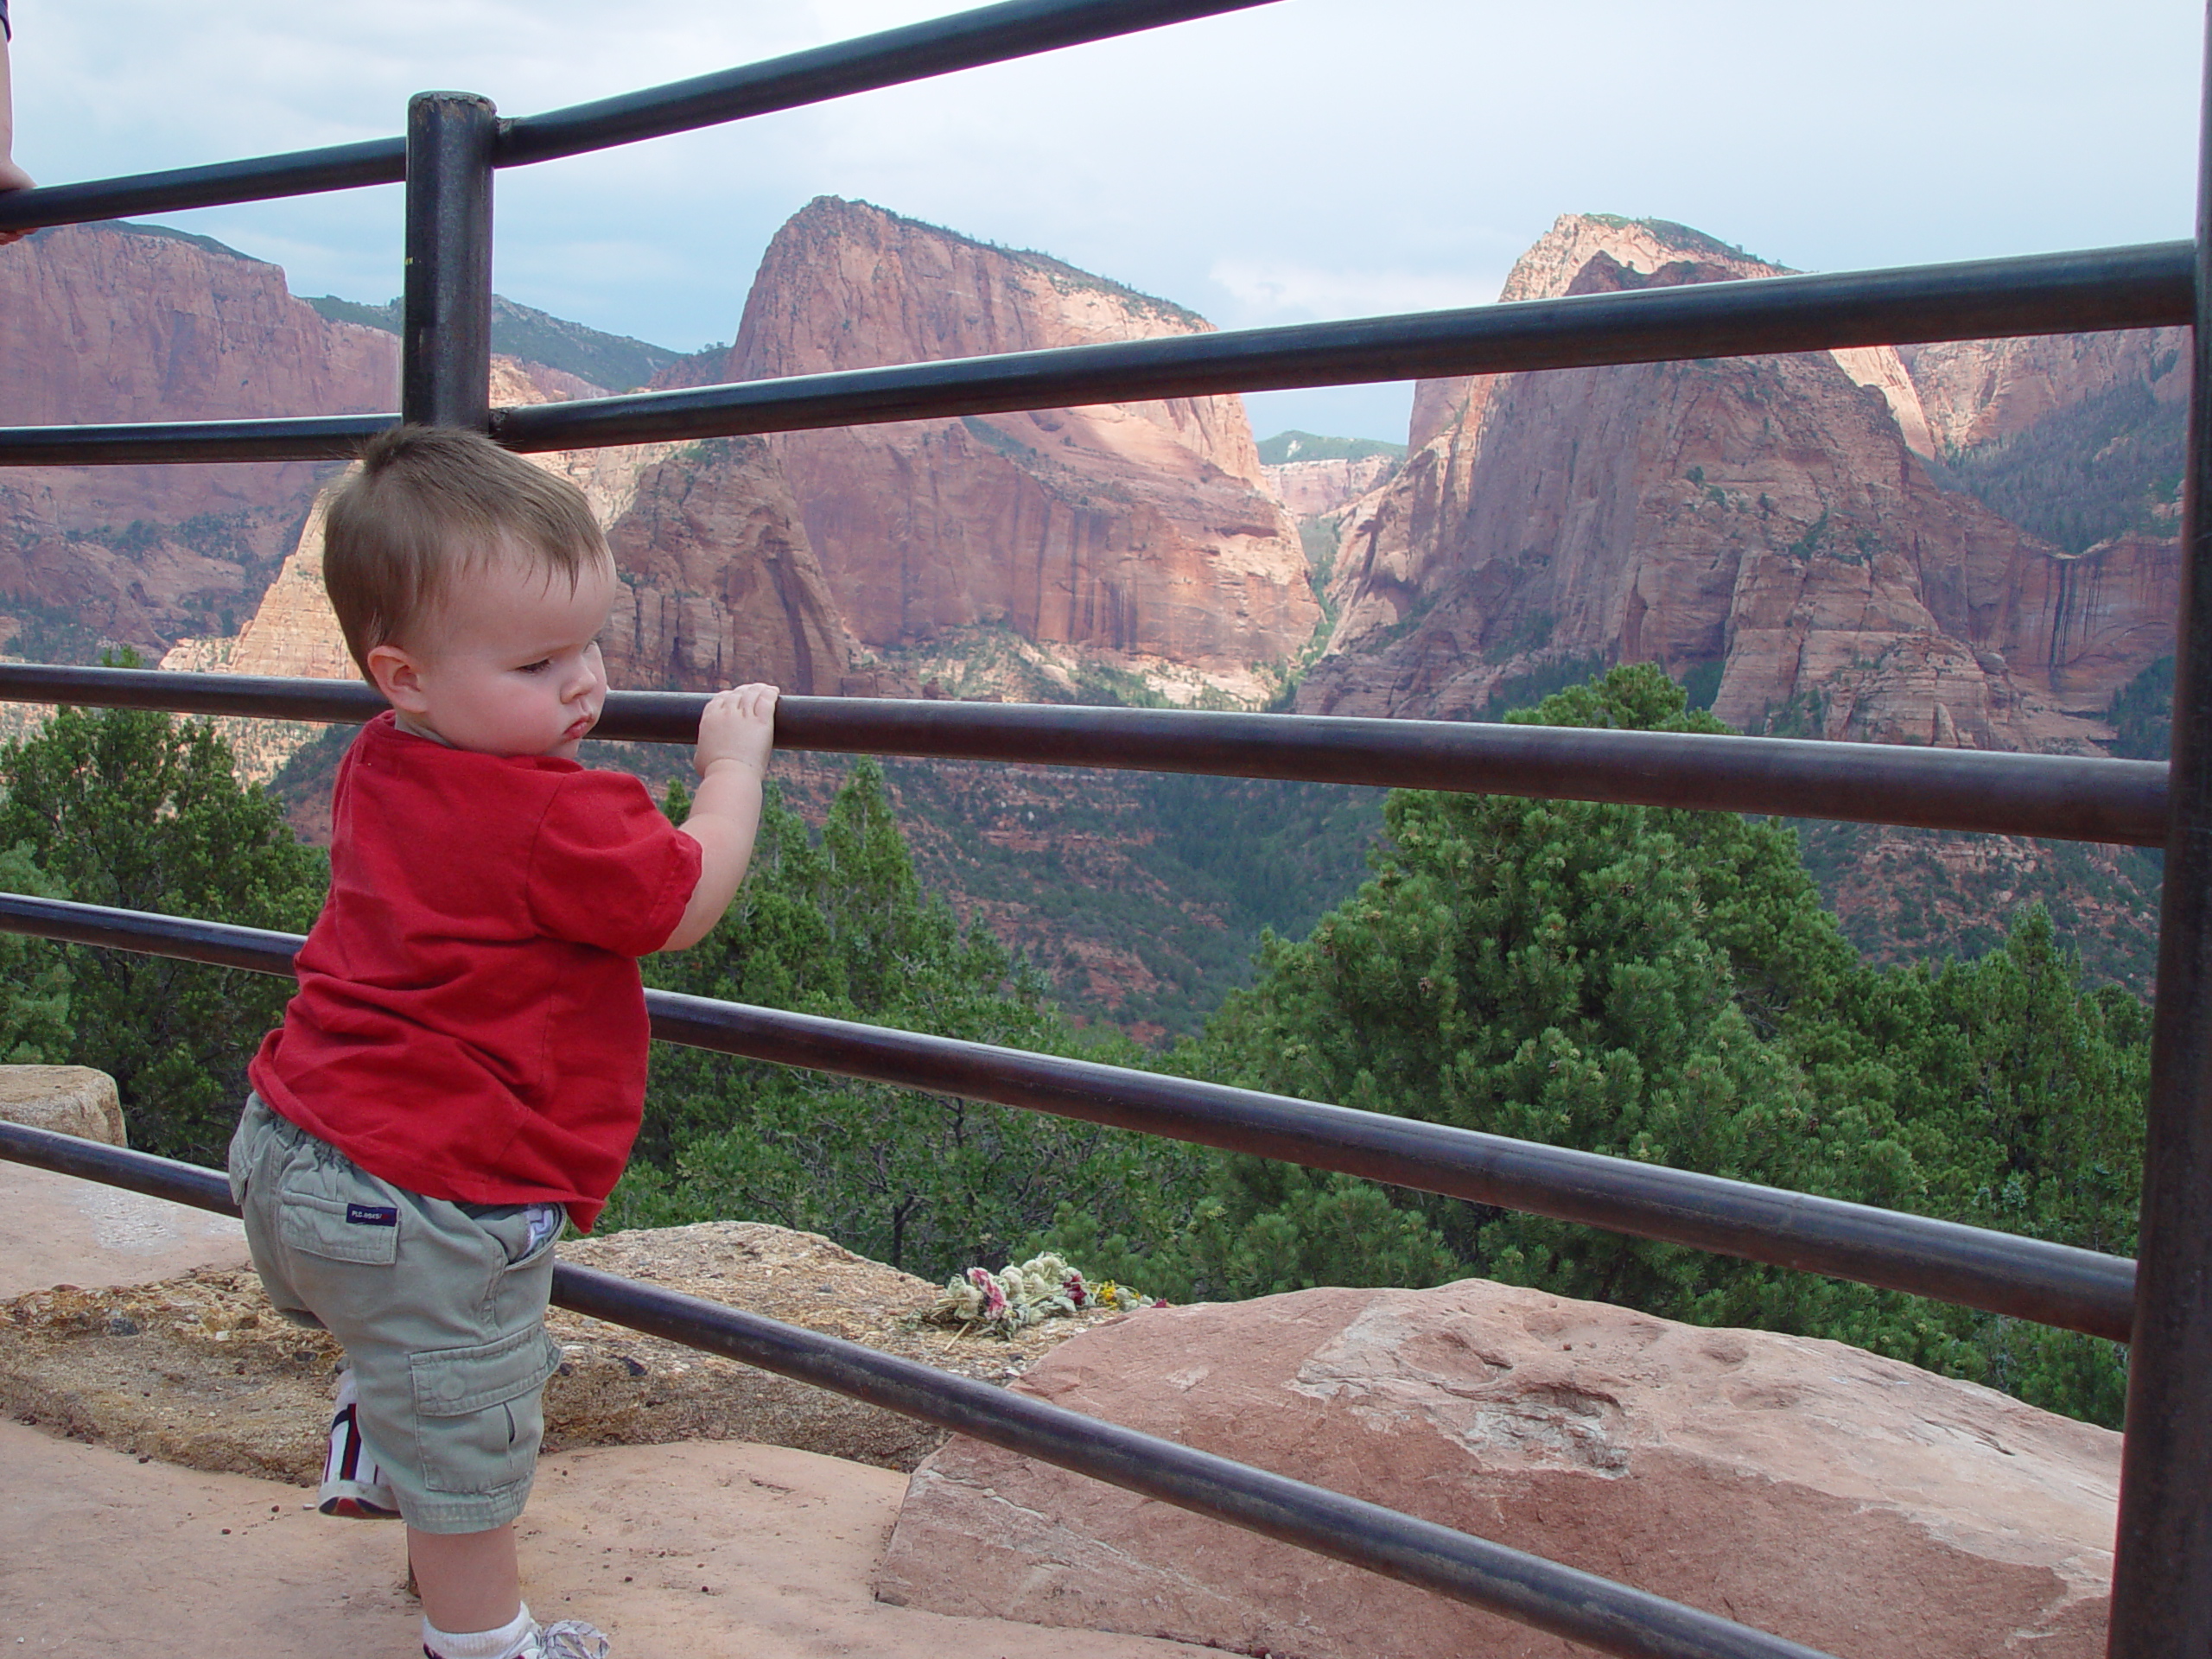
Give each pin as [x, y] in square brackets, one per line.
[510, 663]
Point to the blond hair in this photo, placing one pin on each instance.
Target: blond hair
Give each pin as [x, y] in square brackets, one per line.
[427, 504]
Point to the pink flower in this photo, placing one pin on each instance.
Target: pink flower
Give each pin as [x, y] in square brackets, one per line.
[994, 1298]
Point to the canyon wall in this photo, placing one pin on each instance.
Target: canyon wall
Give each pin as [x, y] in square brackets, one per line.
[1764, 522]
[116, 322]
[1311, 489]
[1143, 533]
[718, 583]
[1979, 392]
[221, 566]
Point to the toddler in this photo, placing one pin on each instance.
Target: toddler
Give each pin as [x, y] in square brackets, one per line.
[465, 1060]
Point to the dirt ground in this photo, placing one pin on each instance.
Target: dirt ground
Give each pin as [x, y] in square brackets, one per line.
[161, 1423]
[677, 1552]
[197, 1368]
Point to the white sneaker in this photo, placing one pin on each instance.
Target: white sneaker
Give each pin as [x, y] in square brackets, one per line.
[353, 1483]
[567, 1638]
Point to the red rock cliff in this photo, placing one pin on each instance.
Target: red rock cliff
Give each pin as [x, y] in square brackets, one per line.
[114, 323]
[1141, 532]
[1763, 515]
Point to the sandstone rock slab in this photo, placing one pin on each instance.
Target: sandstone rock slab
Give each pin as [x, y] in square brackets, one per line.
[56, 1230]
[1808, 1488]
[675, 1551]
[66, 1099]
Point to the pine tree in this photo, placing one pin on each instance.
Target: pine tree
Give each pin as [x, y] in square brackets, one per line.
[1663, 986]
[135, 810]
[925, 1182]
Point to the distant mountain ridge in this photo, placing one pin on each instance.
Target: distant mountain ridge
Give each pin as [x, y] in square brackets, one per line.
[1799, 539]
[615, 362]
[1287, 446]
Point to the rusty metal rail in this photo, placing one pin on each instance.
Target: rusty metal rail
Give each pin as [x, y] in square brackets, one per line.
[2072, 798]
[2000, 1273]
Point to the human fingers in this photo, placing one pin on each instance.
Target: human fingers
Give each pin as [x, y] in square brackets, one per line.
[13, 178]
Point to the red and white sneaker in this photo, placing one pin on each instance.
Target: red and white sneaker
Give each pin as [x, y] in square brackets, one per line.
[353, 1484]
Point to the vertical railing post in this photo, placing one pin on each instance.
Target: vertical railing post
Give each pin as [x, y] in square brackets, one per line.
[2162, 1581]
[445, 376]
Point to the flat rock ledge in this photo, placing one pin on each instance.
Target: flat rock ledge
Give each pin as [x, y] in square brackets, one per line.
[1813, 1490]
[65, 1099]
[200, 1370]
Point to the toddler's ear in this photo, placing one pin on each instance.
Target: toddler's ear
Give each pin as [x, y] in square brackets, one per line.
[398, 677]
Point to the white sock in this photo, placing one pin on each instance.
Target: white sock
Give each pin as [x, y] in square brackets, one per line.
[502, 1644]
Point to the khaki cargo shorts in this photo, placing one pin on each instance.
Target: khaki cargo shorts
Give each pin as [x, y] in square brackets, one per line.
[441, 1307]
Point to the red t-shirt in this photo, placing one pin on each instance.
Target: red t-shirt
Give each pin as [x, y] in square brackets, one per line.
[469, 1023]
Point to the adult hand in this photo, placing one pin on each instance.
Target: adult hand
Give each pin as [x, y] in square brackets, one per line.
[11, 176]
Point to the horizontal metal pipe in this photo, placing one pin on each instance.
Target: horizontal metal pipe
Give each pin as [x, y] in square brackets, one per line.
[892, 57]
[292, 438]
[221, 944]
[1561, 1600]
[262, 178]
[2052, 1284]
[253, 696]
[967, 40]
[2117, 287]
[2062, 293]
[2069, 798]
[136, 1171]
[2002, 1273]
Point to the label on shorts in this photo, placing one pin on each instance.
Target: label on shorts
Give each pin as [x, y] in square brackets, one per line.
[371, 1215]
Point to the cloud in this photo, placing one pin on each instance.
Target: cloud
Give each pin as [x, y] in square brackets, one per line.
[1290, 292]
[1321, 158]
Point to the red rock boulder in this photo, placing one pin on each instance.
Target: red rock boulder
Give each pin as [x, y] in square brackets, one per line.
[1809, 1489]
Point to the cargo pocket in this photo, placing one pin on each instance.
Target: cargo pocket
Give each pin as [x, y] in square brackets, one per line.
[339, 1231]
[480, 1412]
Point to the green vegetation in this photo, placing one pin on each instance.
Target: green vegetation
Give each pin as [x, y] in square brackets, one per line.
[1662, 986]
[614, 361]
[133, 808]
[2142, 713]
[34, 981]
[992, 437]
[839, 927]
[1931, 895]
[1541, 680]
[1701, 683]
[1656, 985]
[51, 633]
[2101, 468]
[1169, 881]
[1290, 446]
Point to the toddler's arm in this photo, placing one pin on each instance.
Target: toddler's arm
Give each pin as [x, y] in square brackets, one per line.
[736, 732]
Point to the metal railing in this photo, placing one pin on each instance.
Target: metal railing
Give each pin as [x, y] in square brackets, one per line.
[2163, 1581]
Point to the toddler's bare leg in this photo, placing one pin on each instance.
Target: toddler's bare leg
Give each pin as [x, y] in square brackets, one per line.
[469, 1580]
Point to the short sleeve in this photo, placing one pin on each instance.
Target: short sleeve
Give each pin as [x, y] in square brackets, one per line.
[607, 869]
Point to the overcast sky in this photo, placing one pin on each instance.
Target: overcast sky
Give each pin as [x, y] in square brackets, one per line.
[1308, 159]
